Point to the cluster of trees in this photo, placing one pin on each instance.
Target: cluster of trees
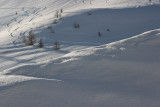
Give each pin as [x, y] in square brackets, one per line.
[76, 25]
[31, 40]
[58, 16]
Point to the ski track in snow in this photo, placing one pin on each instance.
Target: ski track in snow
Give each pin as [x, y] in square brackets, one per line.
[33, 13]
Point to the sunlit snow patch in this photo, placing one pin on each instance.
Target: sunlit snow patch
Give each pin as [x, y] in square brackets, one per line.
[6, 80]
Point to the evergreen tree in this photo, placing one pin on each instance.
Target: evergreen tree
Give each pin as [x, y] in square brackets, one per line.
[61, 10]
[40, 44]
[31, 38]
[99, 34]
[56, 45]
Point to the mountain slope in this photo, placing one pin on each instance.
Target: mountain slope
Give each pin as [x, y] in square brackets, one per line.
[39, 15]
[123, 73]
[111, 60]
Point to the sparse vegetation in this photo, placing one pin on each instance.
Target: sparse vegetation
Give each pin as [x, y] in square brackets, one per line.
[24, 39]
[40, 43]
[51, 29]
[76, 25]
[56, 45]
[58, 14]
[30, 40]
[55, 21]
[61, 10]
[99, 34]
[89, 14]
[23, 9]
[108, 29]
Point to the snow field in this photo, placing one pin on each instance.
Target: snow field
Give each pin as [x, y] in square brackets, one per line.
[120, 67]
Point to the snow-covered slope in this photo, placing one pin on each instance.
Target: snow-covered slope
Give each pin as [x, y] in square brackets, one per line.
[38, 15]
[118, 67]
[123, 73]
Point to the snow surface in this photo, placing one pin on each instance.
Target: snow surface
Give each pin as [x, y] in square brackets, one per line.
[120, 68]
